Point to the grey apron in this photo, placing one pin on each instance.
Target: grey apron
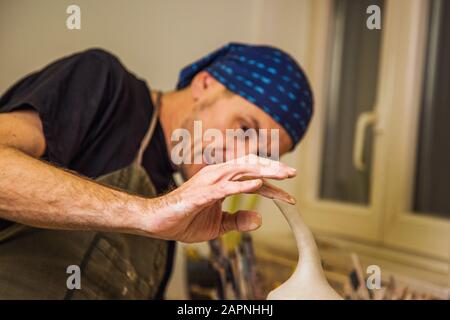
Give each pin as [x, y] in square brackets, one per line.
[33, 261]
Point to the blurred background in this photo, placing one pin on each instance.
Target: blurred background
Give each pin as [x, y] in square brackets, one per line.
[374, 168]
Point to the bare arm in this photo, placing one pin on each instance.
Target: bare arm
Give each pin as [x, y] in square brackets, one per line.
[38, 194]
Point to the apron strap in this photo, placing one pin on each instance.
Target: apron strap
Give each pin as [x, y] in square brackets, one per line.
[151, 128]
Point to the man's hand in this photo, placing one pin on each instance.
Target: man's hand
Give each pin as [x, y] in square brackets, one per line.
[38, 194]
[193, 212]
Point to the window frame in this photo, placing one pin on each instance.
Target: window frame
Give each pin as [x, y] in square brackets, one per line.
[333, 217]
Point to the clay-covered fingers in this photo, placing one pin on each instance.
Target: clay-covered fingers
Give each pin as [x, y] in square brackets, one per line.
[245, 175]
[228, 188]
[242, 220]
[252, 165]
[272, 192]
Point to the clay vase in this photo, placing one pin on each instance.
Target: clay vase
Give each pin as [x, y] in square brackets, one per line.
[308, 281]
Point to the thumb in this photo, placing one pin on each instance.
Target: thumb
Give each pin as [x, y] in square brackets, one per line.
[242, 220]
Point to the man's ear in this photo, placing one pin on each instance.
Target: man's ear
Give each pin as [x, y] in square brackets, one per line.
[202, 84]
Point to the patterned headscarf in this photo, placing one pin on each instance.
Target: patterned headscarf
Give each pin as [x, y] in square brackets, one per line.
[266, 77]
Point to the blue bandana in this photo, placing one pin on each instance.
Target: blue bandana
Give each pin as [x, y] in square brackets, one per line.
[266, 77]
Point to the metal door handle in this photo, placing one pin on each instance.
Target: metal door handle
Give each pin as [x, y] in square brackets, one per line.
[364, 120]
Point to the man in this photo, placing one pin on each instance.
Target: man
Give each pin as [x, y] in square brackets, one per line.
[86, 113]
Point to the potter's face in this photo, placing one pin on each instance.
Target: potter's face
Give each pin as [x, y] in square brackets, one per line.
[220, 109]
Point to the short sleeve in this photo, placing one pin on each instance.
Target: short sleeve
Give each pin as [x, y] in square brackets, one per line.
[72, 98]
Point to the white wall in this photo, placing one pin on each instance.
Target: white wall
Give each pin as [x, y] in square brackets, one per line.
[153, 38]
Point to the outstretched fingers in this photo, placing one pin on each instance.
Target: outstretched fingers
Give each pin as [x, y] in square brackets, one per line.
[229, 188]
[255, 166]
[272, 192]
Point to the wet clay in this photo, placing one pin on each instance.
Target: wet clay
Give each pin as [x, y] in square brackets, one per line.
[308, 281]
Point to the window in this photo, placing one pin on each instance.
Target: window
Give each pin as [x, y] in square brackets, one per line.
[432, 193]
[352, 91]
[376, 162]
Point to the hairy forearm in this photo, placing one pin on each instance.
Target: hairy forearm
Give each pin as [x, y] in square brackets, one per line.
[38, 194]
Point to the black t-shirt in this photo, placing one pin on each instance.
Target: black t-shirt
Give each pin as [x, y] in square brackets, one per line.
[95, 114]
